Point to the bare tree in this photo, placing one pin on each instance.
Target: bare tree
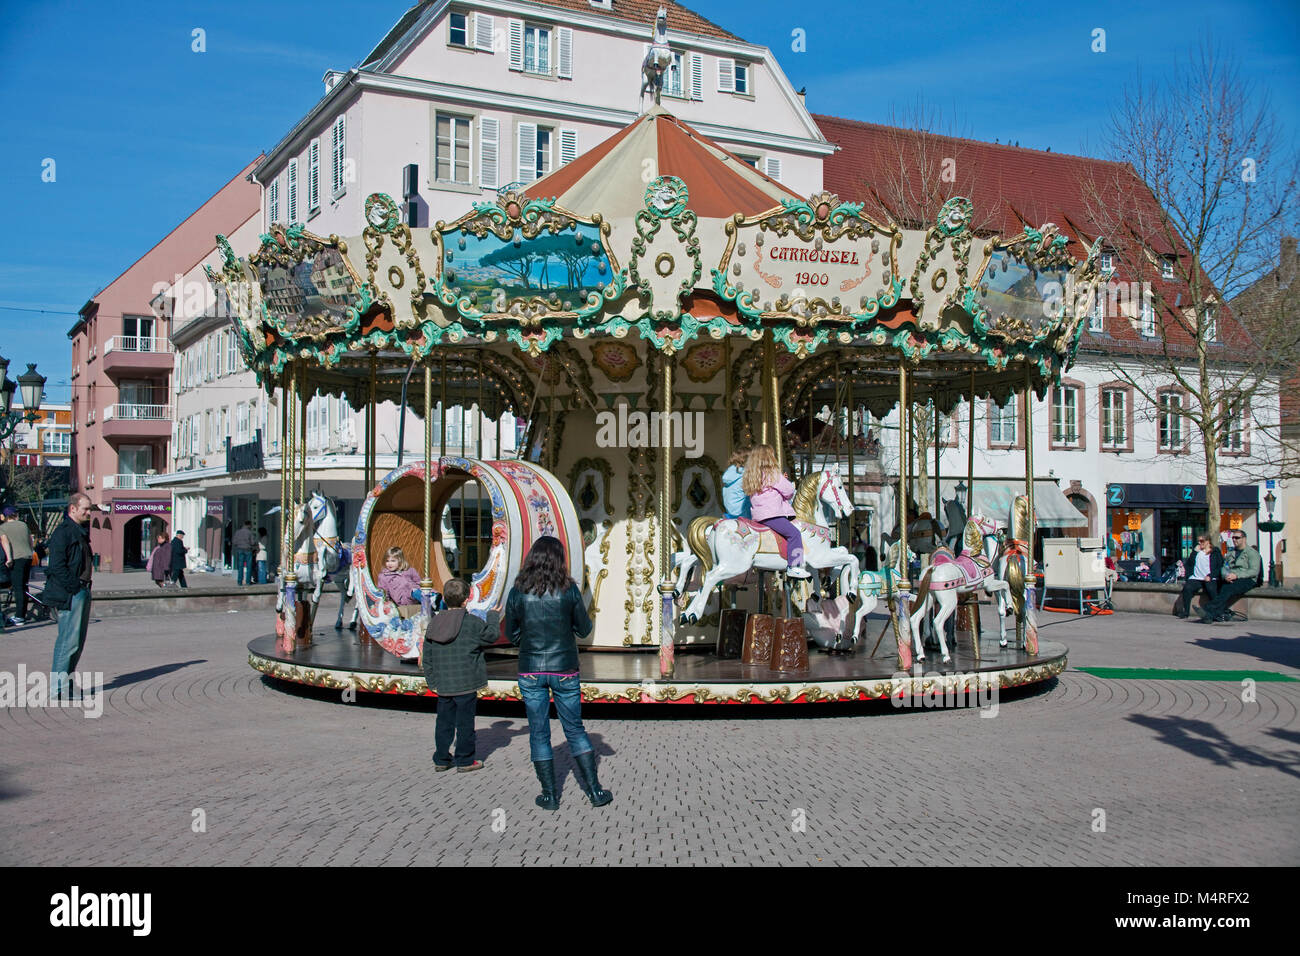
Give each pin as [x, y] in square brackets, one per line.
[1193, 210]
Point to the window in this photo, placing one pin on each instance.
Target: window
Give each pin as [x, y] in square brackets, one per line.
[742, 78]
[273, 201]
[537, 49]
[1114, 418]
[1096, 318]
[209, 430]
[1167, 268]
[750, 160]
[241, 423]
[451, 150]
[232, 352]
[293, 190]
[56, 443]
[1171, 420]
[1233, 440]
[673, 83]
[733, 77]
[1210, 329]
[1107, 263]
[1002, 423]
[1148, 318]
[313, 176]
[458, 29]
[1065, 416]
[337, 144]
[194, 434]
[543, 162]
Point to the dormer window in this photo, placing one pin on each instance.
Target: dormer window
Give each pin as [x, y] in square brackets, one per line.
[602, 4]
[458, 29]
[1167, 268]
[1107, 263]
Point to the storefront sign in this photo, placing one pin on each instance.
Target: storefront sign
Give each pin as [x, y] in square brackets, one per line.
[216, 509]
[130, 507]
[1114, 494]
[246, 457]
[1178, 496]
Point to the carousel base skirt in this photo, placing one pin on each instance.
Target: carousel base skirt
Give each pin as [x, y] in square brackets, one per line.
[338, 661]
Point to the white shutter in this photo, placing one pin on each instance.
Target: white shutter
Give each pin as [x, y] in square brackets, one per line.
[527, 140]
[293, 191]
[696, 76]
[337, 151]
[484, 29]
[516, 44]
[564, 39]
[772, 166]
[568, 146]
[489, 138]
[313, 176]
[273, 201]
[726, 76]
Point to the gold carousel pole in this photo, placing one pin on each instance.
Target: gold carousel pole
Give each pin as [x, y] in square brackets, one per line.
[899, 617]
[372, 444]
[771, 418]
[853, 502]
[726, 358]
[426, 580]
[1027, 628]
[303, 400]
[667, 652]
[286, 462]
[974, 607]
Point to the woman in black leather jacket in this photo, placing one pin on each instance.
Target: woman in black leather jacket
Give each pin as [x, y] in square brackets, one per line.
[544, 619]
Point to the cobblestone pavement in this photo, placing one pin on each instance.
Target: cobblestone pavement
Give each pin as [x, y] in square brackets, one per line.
[1186, 772]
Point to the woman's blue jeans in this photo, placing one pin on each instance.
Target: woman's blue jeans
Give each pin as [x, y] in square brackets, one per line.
[537, 690]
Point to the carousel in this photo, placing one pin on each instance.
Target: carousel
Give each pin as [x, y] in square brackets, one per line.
[638, 333]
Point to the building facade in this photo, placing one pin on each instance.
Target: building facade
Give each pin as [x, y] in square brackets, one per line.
[122, 365]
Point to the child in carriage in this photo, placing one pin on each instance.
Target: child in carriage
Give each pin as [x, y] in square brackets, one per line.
[399, 581]
[770, 495]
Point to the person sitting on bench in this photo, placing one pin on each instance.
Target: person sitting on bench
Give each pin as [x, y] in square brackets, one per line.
[1241, 572]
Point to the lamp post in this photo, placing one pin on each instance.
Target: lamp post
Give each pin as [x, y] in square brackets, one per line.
[1271, 526]
[32, 386]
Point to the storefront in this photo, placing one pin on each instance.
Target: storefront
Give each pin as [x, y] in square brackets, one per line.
[1159, 524]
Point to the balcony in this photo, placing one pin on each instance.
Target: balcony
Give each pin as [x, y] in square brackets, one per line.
[126, 482]
[131, 354]
[137, 422]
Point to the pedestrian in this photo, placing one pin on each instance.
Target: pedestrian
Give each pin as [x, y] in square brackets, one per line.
[1201, 569]
[178, 559]
[456, 671]
[245, 544]
[160, 559]
[544, 618]
[67, 590]
[261, 555]
[16, 543]
[1241, 572]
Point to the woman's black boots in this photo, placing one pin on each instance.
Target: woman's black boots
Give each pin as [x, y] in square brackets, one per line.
[586, 772]
[546, 776]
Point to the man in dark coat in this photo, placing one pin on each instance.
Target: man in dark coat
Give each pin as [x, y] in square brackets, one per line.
[456, 671]
[67, 590]
[178, 559]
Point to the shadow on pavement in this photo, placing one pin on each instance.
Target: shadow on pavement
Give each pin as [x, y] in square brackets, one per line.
[123, 680]
[1268, 648]
[1202, 739]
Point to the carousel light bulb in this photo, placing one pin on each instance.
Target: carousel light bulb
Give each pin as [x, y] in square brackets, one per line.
[461, 244]
[595, 248]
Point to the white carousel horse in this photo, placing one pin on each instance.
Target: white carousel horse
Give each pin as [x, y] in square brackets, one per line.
[317, 550]
[949, 576]
[657, 59]
[737, 545]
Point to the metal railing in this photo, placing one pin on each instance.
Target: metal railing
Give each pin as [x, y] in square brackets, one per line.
[128, 482]
[149, 413]
[136, 343]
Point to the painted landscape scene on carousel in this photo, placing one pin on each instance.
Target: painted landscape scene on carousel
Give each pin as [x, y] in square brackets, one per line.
[566, 266]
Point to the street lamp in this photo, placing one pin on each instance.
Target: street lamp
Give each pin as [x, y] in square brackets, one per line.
[32, 385]
[1271, 526]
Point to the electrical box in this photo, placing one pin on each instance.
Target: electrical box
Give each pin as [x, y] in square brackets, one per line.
[1074, 563]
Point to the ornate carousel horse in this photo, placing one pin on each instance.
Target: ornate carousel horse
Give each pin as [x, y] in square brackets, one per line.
[950, 575]
[657, 59]
[1017, 567]
[825, 626]
[316, 555]
[730, 547]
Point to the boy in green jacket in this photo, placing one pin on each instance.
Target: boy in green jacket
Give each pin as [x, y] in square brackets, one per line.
[456, 671]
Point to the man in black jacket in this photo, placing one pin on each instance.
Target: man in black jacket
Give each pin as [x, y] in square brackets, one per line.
[178, 559]
[67, 590]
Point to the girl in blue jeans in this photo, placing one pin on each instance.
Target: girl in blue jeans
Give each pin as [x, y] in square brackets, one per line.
[544, 618]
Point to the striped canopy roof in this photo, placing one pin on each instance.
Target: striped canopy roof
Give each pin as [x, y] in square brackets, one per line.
[611, 178]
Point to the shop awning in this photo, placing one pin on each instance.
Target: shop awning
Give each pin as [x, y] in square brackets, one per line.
[993, 499]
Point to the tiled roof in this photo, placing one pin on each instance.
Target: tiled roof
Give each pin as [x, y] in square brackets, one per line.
[1012, 187]
[680, 19]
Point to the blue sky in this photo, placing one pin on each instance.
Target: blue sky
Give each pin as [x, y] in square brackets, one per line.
[143, 130]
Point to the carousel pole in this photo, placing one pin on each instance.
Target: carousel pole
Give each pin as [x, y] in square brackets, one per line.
[974, 607]
[727, 383]
[426, 579]
[667, 652]
[853, 502]
[372, 443]
[771, 423]
[302, 434]
[286, 462]
[442, 414]
[902, 593]
[1026, 626]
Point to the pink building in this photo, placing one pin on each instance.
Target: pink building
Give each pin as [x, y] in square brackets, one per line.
[121, 368]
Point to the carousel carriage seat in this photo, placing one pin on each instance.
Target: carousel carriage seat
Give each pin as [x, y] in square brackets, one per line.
[397, 521]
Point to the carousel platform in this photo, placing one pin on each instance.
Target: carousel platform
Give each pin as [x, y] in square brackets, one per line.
[338, 660]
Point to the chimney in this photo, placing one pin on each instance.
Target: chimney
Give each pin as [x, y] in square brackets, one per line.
[1288, 248]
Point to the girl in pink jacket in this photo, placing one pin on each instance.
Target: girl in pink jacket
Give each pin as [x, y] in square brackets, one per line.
[399, 580]
[770, 493]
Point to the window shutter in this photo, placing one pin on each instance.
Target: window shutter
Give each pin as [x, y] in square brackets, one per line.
[516, 44]
[726, 76]
[568, 146]
[772, 167]
[564, 40]
[337, 151]
[484, 29]
[697, 76]
[527, 152]
[313, 176]
[293, 191]
[273, 202]
[489, 138]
